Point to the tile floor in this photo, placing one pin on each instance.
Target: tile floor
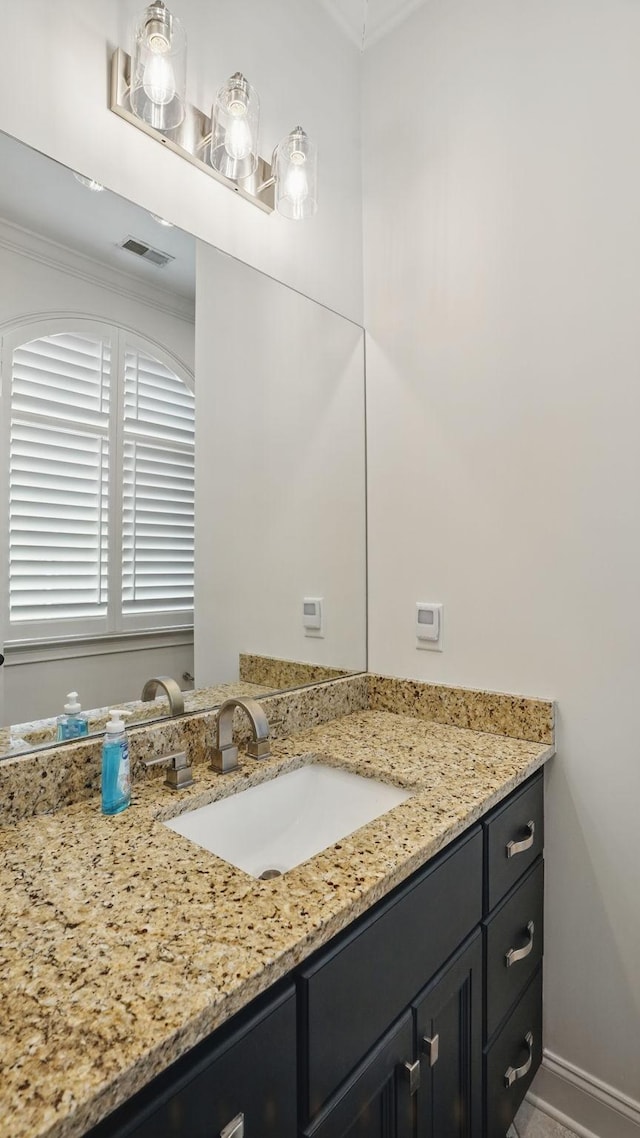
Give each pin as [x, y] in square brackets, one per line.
[532, 1123]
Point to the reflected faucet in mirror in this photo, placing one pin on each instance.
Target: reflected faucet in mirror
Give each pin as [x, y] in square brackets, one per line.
[224, 756]
[170, 688]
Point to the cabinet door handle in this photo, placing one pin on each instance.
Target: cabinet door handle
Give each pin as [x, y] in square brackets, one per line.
[514, 848]
[235, 1128]
[512, 1074]
[431, 1048]
[411, 1072]
[515, 954]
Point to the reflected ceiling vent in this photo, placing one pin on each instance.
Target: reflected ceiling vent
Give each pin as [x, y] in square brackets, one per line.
[147, 252]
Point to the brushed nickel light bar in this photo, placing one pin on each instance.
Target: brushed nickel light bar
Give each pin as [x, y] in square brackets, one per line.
[191, 138]
[148, 89]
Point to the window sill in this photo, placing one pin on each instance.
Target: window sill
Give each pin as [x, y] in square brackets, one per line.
[37, 651]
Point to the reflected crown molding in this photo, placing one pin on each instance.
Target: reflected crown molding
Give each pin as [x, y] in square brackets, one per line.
[26, 243]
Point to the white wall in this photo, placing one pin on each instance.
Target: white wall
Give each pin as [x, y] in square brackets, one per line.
[280, 473]
[53, 95]
[502, 269]
[39, 277]
[105, 677]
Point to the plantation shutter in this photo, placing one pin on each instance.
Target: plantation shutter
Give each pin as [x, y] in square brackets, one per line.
[58, 481]
[158, 491]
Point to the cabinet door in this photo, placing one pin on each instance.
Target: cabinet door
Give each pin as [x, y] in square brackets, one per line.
[240, 1083]
[355, 989]
[378, 1101]
[448, 1017]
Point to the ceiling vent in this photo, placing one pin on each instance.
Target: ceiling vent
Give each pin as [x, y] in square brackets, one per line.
[147, 252]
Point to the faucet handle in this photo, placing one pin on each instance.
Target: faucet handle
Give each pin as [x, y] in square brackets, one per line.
[259, 749]
[179, 769]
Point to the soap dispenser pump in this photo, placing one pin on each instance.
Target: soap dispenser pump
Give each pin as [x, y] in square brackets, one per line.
[74, 723]
[116, 774]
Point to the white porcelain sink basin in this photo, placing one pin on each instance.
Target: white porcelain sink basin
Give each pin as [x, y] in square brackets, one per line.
[282, 822]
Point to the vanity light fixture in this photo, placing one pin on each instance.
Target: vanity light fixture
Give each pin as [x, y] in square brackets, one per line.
[162, 221]
[148, 90]
[159, 68]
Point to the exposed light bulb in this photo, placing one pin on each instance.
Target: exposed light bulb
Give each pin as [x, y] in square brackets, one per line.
[296, 185]
[159, 81]
[237, 139]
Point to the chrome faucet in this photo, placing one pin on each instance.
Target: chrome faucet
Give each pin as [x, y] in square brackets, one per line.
[171, 690]
[224, 756]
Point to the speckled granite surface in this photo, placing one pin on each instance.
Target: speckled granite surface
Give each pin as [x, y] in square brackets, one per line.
[276, 674]
[125, 944]
[47, 780]
[44, 730]
[502, 714]
[258, 676]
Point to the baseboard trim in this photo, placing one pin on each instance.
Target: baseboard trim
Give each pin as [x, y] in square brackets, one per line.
[583, 1103]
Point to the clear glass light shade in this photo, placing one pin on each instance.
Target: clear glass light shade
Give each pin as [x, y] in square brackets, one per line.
[295, 167]
[235, 125]
[90, 183]
[159, 68]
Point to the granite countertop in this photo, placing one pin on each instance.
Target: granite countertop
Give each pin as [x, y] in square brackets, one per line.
[22, 737]
[124, 944]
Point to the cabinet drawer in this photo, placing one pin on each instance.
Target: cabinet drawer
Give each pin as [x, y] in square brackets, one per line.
[352, 992]
[515, 838]
[250, 1071]
[513, 939]
[513, 1059]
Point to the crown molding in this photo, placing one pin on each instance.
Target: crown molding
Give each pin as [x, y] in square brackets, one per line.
[25, 243]
[379, 17]
[354, 33]
[379, 26]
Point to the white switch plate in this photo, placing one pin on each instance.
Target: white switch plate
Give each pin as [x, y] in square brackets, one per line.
[313, 616]
[429, 618]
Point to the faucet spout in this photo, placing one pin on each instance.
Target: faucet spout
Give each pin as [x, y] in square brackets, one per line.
[224, 756]
[171, 690]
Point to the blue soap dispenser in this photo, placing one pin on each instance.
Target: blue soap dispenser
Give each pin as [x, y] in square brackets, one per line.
[74, 723]
[116, 775]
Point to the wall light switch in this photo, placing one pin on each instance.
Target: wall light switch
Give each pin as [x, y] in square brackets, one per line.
[312, 616]
[429, 626]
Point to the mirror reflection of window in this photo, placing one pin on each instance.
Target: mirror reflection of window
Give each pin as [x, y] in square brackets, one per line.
[101, 484]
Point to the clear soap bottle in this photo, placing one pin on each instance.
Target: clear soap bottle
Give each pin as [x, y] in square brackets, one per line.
[116, 774]
[74, 723]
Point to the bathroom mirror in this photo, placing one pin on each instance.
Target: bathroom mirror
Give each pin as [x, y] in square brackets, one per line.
[182, 482]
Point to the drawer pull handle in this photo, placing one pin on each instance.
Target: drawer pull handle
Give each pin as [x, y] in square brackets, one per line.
[431, 1049]
[512, 1074]
[411, 1072]
[515, 954]
[235, 1128]
[514, 848]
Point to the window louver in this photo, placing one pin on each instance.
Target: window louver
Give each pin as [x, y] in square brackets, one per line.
[89, 422]
[58, 479]
[158, 483]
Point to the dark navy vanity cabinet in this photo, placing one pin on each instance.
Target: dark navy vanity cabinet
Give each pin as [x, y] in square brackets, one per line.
[422, 1020]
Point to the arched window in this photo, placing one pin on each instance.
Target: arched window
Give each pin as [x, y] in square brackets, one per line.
[100, 446]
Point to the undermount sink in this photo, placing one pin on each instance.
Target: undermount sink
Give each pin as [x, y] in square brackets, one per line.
[275, 826]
